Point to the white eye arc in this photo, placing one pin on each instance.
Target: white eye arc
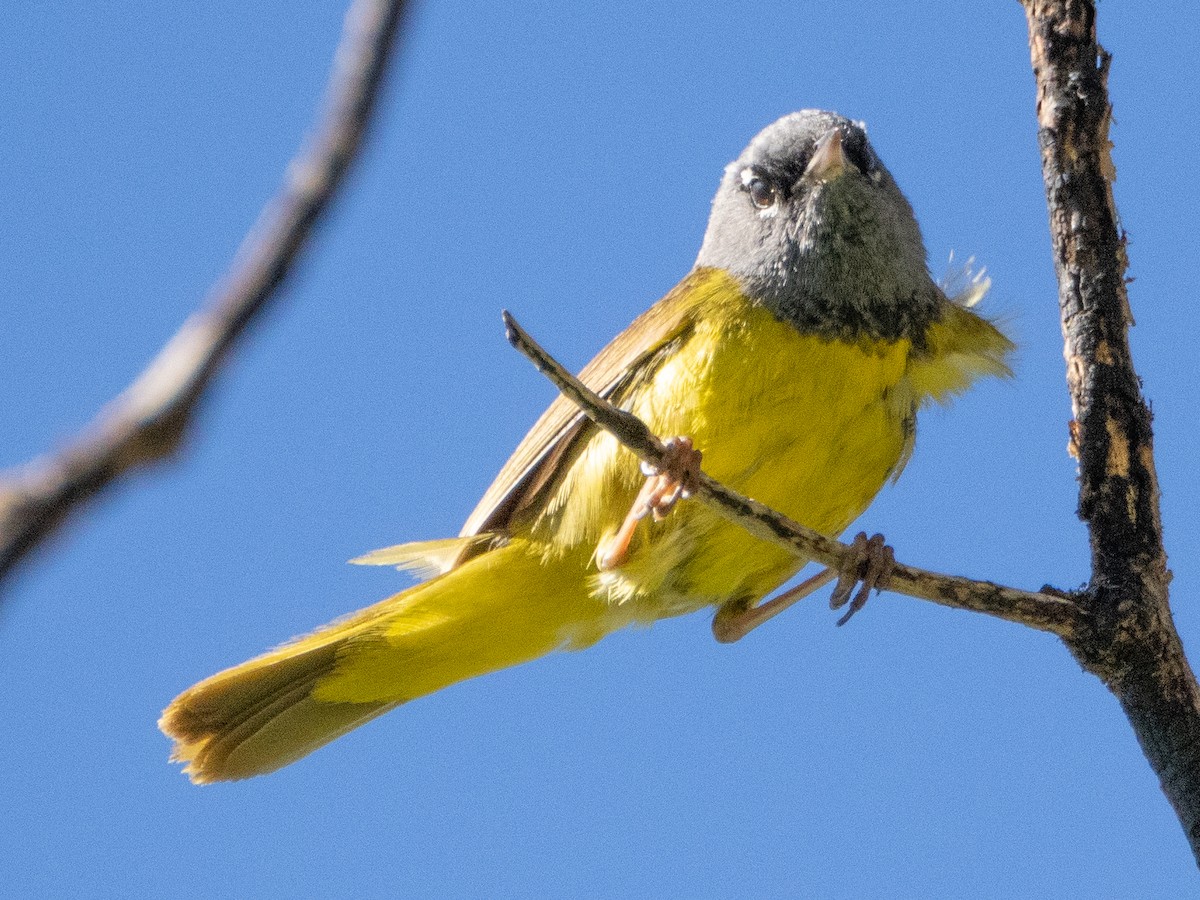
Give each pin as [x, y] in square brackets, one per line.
[762, 192]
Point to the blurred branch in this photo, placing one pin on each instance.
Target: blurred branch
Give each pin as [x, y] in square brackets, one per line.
[1129, 640]
[148, 421]
[1055, 613]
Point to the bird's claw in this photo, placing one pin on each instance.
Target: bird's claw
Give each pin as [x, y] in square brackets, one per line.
[869, 566]
[666, 484]
[670, 482]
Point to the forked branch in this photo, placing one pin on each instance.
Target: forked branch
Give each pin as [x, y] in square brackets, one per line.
[1131, 643]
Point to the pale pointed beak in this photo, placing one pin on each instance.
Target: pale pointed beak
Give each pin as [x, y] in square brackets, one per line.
[828, 160]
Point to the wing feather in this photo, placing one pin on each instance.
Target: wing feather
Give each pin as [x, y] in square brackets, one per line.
[551, 446]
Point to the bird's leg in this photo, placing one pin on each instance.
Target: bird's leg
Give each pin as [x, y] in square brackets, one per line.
[665, 486]
[736, 619]
[871, 562]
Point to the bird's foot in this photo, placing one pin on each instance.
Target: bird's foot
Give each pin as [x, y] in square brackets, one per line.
[869, 567]
[665, 486]
[675, 480]
[736, 619]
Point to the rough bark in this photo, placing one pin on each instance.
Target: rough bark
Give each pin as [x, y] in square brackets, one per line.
[1129, 641]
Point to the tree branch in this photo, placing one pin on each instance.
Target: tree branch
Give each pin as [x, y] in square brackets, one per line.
[1057, 613]
[148, 421]
[1130, 641]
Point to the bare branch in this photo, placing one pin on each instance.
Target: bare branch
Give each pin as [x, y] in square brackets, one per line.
[1056, 613]
[148, 421]
[1130, 641]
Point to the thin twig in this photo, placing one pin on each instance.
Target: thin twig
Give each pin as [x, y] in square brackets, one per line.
[1047, 612]
[147, 422]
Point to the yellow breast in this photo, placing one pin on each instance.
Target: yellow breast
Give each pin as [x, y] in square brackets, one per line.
[809, 426]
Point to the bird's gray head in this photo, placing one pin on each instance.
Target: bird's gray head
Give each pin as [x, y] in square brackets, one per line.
[813, 226]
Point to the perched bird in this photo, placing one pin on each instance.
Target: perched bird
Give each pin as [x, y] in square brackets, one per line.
[794, 355]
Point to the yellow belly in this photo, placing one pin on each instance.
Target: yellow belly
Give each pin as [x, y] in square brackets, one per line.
[809, 426]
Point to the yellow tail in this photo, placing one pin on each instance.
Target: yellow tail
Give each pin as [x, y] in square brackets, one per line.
[502, 608]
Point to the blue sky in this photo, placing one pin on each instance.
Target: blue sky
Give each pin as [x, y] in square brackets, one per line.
[558, 162]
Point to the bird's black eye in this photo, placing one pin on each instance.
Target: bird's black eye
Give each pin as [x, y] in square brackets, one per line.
[763, 190]
[762, 193]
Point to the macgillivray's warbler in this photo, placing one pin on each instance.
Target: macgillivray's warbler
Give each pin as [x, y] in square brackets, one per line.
[794, 355]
